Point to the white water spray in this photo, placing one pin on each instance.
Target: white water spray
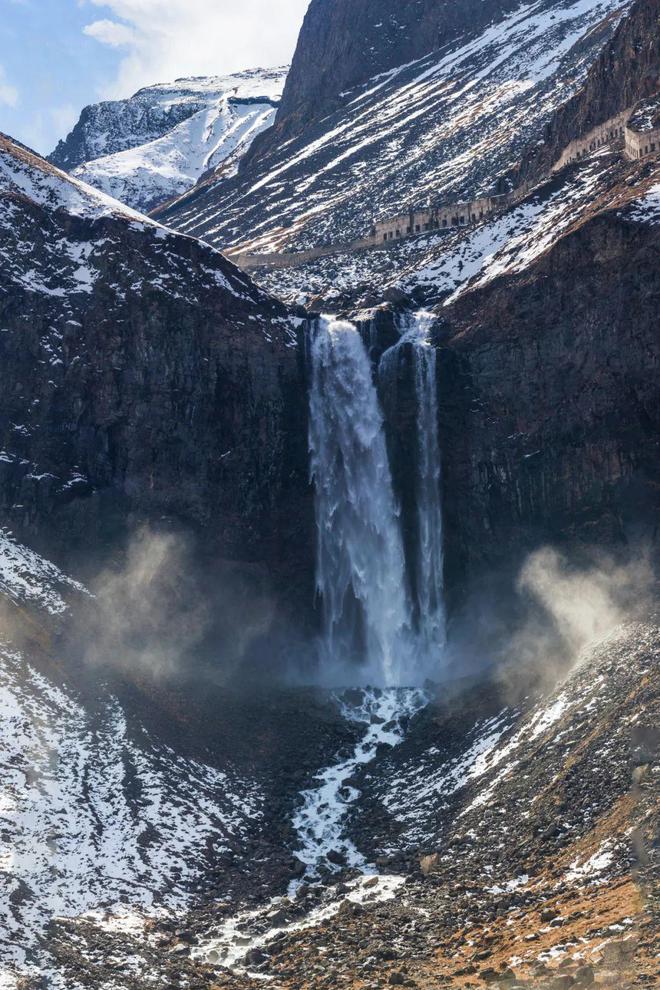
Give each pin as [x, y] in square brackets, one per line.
[361, 574]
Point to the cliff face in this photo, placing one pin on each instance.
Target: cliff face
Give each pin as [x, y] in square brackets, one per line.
[549, 402]
[627, 70]
[143, 377]
[345, 42]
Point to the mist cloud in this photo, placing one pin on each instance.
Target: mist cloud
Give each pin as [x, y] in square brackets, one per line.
[584, 604]
[565, 608]
[148, 615]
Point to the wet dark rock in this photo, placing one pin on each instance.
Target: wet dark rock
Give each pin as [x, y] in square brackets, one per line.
[255, 957]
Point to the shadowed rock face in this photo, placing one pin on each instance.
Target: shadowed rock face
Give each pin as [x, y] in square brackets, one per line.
[143, 377]
[345, 42]
[549, 401]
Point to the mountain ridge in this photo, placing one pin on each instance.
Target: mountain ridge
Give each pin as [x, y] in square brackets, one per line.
[156, 144]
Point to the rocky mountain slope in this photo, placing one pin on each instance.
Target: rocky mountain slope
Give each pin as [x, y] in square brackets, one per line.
[625, 72]
[156, 145]
[443, 127]
[150, 380]
[343, 44]
[492, 833]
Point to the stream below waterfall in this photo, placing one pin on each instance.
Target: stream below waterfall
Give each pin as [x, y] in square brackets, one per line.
[323, 844]
[319, 822]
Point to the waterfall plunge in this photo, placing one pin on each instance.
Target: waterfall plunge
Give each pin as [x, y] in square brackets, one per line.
[360, 560]
[361, 575]
[432, 624]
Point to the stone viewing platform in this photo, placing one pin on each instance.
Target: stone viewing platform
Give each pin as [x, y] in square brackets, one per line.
[642, 134]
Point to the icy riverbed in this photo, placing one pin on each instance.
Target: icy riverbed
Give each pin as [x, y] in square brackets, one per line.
[242, 941]
[320, 819]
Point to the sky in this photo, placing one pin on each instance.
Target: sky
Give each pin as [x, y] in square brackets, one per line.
[56, 56]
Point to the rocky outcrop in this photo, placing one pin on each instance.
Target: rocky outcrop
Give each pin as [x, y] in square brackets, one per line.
[626, 71]
[344, 43]
[144, 377]
[155, 145]
[117, 125]
[549, 402]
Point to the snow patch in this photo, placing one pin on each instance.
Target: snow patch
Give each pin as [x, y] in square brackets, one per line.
[27, 577]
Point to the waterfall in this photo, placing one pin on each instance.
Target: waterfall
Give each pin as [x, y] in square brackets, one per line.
[430, 562]
[361, 575]
[361, 567]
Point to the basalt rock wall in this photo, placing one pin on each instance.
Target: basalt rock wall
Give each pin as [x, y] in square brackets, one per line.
[548, 407]
[549, 403]
[146, 380]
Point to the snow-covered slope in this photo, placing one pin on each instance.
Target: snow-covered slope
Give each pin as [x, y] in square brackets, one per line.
[157, 144]
[444, 265]
[510, 243]
[94, 813]
[73, 263]
[503, 836]
[442, 128]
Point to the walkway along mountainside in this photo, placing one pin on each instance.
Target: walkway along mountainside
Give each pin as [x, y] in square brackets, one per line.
[635, 132]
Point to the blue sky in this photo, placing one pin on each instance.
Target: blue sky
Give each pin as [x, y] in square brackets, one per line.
[58, 55]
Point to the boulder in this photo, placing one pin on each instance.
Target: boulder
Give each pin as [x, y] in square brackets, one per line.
[429, 864]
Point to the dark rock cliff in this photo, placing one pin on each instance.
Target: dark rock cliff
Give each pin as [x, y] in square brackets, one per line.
[143, 377]
[549, 402]
[626, 71]
[343, 43]
[548, 405]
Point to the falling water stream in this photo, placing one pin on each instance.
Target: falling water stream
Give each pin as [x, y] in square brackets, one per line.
[430, 557]
[361, 575]
[361, 568]
[370, 628]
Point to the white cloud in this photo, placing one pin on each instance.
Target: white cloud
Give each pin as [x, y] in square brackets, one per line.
[8, 93]
[169, 38]
[111, 33]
